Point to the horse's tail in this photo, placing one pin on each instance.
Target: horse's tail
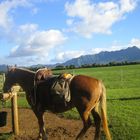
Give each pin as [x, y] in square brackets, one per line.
[104, 112]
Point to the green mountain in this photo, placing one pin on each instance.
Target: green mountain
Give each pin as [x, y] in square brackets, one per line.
[131, 54]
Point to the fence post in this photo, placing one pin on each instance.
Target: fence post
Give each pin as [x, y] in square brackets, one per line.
[14, 110]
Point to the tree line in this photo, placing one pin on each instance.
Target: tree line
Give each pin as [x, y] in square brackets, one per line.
[113, 63]
[62, 67]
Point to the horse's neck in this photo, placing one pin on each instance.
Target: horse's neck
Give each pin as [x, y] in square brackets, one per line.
[26, 81]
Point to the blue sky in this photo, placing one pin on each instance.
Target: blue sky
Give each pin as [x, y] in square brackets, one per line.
[51, 31]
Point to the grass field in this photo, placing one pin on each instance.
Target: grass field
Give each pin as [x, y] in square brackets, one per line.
[123, 99]
[1, 82]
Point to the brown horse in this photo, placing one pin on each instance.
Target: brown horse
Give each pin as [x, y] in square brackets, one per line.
[87, 94]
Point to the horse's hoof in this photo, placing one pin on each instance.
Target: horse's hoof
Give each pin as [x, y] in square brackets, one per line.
[45, 138]
[42, 138]
[39, 138]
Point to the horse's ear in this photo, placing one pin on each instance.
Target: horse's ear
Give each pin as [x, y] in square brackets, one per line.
[9, 68]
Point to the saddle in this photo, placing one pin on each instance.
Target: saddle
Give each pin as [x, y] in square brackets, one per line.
[60, 90]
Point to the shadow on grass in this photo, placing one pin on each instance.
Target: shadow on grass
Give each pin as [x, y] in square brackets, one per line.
[125, 99]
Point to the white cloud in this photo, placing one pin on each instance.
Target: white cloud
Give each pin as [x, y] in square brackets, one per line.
[69, 22]
[28, 28]
[5, 7]
[135, 42]
[127, 5]
[38, 43]
[64, 56]
[109, 49]
[118, 46]
[89, 17]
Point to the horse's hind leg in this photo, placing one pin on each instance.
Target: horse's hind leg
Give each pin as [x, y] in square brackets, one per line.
[97, 120]
[86, 124]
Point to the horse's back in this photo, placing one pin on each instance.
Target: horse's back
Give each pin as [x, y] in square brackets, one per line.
[85, 82]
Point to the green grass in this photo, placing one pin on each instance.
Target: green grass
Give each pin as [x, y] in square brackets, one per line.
[1, 82]
[6, 136]
[124, 119]
[123, 99]
[22, 102]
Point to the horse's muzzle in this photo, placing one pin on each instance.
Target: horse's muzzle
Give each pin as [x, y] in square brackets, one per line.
[6, 96]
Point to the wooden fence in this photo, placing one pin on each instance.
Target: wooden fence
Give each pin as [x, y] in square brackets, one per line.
[14, 105]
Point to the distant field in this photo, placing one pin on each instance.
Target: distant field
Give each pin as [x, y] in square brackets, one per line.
[123, 98]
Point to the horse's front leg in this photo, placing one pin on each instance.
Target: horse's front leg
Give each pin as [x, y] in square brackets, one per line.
[42, 130]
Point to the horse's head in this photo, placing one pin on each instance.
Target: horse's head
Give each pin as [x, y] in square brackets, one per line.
[42, 74]
[10, 80]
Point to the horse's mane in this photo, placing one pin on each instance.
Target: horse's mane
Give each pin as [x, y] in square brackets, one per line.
[21, 69]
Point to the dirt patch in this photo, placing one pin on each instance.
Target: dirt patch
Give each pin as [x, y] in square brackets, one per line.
[57, 128]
